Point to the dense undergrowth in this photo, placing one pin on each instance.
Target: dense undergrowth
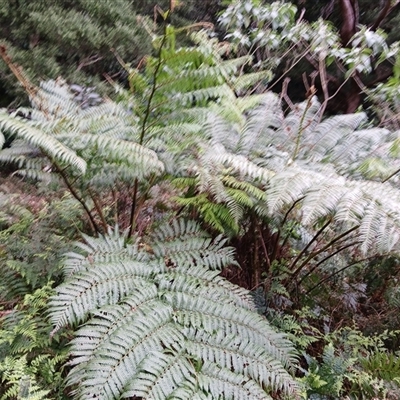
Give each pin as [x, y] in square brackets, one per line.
[195, 239]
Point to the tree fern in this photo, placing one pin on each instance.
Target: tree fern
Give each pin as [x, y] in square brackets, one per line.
[162, 323]
[249, 163]
[117, 143]
[102, 138]
[97, 131]
[181, 77]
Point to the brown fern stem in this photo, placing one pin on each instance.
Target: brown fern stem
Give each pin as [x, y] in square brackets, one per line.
[324, 248]
[264, 247]
[311, 270]
[336, 273]
[143, 132]
[133, 207]
[278, 245]
[350, 15]
[74, 193]
[98, 208]
[382, 15]
[302, 252]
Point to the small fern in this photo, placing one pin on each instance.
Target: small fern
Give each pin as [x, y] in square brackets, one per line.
[21, 384]
[29, 361]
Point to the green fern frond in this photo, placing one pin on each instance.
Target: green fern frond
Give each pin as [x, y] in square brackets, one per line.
[383, 365]
[240, 197]
[249, 80]
[218, 216]
[22, 384]
[167, 137]
[245, 187]
[30, 361]
[13, 285]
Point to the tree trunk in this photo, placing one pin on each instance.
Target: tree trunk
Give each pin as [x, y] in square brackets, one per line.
[350, 17]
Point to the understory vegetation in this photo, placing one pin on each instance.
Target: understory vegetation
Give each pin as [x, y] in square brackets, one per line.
[197, 233]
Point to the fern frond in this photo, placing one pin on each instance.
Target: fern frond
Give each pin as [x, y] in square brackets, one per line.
[200, 95]
[324, 137]
[159, 324]
[218, 216]
[76, 299]
[247, 325]
[128, 346]
[98, 330]
[12, 285]
[249, 80]
[199, 280]
[162, 376]
[108, 148]
[259, 129]
[238, 355]
[22, 384]
[220, 382]
[245, 187]
[290, 185]
[103, 249]
[183, 243]
[35, 137]
[241, 165]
